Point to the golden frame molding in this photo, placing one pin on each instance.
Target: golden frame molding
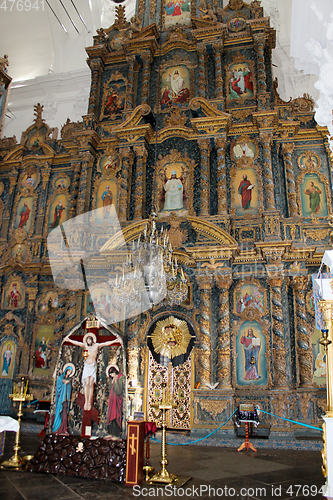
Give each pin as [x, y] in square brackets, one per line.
[250, 281]
[114, 77]
[251, 315]
[308, 153]
[324, 180]
[239, 58]
[163, 164]
[244, 166]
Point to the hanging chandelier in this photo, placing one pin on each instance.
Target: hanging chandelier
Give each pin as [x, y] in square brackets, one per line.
[151, 272]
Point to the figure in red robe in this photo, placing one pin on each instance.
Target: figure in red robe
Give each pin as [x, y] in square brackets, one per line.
[245, 192]
[177, 10]
[247, 76]
[24, 213]
[115, 406]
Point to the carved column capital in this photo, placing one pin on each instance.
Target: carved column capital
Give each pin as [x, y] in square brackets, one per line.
[146, 57]
[140, 151]
[266, 138]
[221, 143]
[125, 152]
[287, 148]
[218, 48]
[204, 144]
[205, 282]
[32, 293]
[86, 156]
[130, 59]
[299, 283]
[259, 41]
[223, 282]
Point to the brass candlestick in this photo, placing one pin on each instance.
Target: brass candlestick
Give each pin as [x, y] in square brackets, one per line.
[163, 476]
[20, 395]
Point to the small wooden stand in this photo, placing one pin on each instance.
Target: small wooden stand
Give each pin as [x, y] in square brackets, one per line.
[247, 443]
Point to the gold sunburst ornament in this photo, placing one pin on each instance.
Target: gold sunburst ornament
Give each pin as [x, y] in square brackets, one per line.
[171, 337]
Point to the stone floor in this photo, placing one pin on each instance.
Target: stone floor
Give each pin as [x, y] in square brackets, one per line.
[216, 473]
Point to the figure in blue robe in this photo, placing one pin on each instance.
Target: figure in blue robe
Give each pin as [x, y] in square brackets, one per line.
[63, 397]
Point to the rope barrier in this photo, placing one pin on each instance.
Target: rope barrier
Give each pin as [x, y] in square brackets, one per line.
[200, 439]
[272, 414]
[293, 421]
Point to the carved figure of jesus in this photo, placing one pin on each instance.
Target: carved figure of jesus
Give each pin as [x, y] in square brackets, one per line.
[91, 346]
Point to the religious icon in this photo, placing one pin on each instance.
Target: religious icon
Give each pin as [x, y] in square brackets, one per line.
[43, 353]
[115, 404]
[114, 95]
[14, 297]
[244, 150]
[245, 192]
[240, 83]
[29, 181]
[246, 196]
[251, 345]
[249, 295]
[58, 211]
[43, 349]
[91, 347]
[107, 202]
[313, 196]
[309, 160]
[63, 399]
[177, 12]
[174, 194]
[175, 86]
[251, 354]
[24, 215]
[110, 162]
[57, 214]
[7, 358]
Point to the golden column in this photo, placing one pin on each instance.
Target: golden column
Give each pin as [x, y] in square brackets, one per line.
[140, 176]
[205, 148]
[279, 348]
[222, 203]
[287, 151]
[127, 159]
[204, 357]
[223, 346]
[302, 341]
